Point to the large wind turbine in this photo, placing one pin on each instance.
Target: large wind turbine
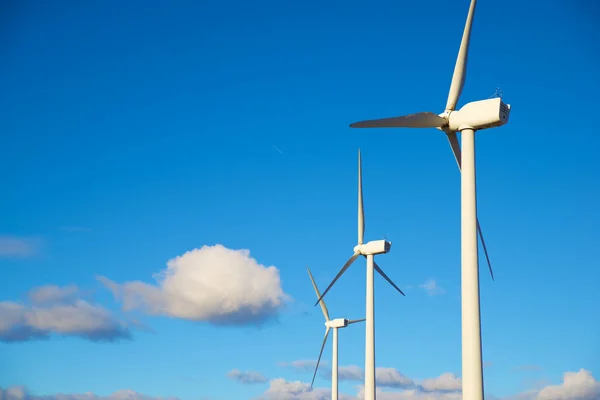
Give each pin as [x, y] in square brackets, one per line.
[368, 250]
[471, 117]
[334, 324]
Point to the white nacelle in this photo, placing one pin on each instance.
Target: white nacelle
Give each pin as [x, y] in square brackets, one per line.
[374, 247]
[479, 115]
[337, 323]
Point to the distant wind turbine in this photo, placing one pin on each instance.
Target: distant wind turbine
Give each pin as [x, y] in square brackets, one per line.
[330, 324]
[471, 117]
[368, 250]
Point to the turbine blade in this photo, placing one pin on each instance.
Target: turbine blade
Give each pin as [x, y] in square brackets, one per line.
[418, 120]
[453, 140]
[320, 354]
[485, 250]
[361, 211]
[460, 68]
[455, 146]
[353, 321]
[387, 278]
[323, 306]
[344, 268]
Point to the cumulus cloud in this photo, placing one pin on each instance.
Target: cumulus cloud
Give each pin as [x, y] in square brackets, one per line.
[53, 294]
[246, 377]
[213, 284]
[21, 393]
[385, 377]
[579, 385]
[13, 246]
[446, 382]
[393, 385]
[53, 310]
[432, 288]
[280, 389]
[349, 373]
[391, 377]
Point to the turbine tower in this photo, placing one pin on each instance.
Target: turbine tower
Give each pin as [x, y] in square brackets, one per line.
[330, 324]
[471, 117]
[368, 250]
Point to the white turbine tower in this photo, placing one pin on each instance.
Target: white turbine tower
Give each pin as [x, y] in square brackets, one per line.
[330, 324]
[471, 117]
[368, 250]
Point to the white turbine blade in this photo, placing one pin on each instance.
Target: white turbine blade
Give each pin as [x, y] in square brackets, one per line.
[344, 268]
[323, 306]
[455, 146]
[453, 140]
[361, 211]
[353, 321]
[418, 120]
[387, 278]
[460, 68]
[320, 354]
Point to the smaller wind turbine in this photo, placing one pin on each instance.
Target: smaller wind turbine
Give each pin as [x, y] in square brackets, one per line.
[368, 250]
[330, 324]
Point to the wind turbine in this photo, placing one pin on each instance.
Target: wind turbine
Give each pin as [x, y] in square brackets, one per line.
[471, 117]
[334, 324]
[368, 250]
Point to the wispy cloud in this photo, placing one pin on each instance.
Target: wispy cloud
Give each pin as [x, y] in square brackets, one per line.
[432, 288]
[277, 149]
[53, 310]
[15, 246]
[305, 365]
[385, 377]
[21, 393]
[246, 377]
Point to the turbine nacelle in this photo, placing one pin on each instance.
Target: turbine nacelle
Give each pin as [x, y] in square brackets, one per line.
[337, 323]
[478, 115]
[373, 247]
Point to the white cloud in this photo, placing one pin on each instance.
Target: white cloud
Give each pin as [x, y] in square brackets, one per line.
[391, 377]
[385, 377]
[246, 377]
[576, 386]
[213, 283]
[60, 311]
[305, 365]
[432, 288]
[412, 394]
[13, 246]
[21, 393]
[579, 385]
[444, 382]
[349, 373]
[53, 294]
[280, 389]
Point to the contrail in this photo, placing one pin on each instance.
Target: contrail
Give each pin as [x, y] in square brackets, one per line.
[277, 148]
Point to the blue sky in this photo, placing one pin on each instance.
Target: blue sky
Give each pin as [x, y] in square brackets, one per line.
[134, 132]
